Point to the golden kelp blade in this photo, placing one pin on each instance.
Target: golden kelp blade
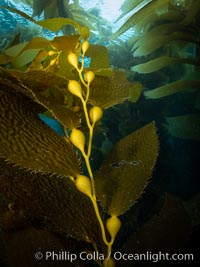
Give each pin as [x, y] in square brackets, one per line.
[161, 62]
[185, 127]
[99, 57]
[22, 54]
[13, 51]
[151, 46]
[172, 88]
[109, 91]
[124, 175]
[35, 43]
[26, 141]
[25, 58]
[64, 43]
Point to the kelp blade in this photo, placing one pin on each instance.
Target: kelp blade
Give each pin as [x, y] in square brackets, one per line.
[184, 127]
[47, 89]
[124, 175]
[52, 200]
[172, 88]
[28, 142]
[99, 58]
[109, 91]
[161, 62]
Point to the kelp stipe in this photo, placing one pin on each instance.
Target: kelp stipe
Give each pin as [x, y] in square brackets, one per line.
[84, 184]
[53, 80]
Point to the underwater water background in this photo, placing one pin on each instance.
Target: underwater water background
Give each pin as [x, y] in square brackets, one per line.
[176, 173]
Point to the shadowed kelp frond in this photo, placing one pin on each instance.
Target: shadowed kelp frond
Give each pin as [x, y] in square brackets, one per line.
[28, 142]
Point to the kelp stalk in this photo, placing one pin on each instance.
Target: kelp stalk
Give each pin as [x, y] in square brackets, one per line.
[83, 183]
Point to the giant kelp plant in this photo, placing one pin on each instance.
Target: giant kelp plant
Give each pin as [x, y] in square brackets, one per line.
[47, 182]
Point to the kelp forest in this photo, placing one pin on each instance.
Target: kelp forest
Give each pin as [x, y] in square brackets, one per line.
[99, 134]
